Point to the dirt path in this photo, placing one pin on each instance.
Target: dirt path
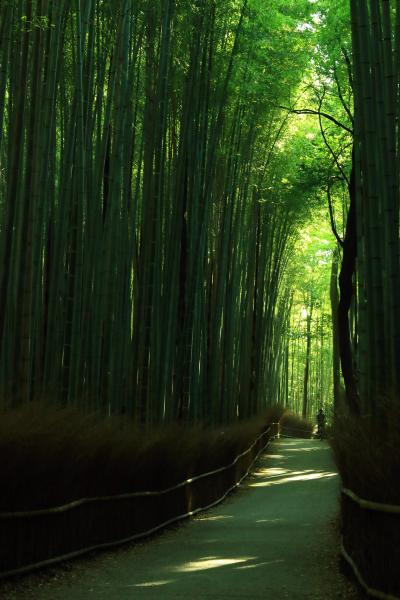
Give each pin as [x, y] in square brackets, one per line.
[273, 539]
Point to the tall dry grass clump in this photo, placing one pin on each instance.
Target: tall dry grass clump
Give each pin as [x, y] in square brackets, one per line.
[294, 426]
[367, 452]
[49, 457]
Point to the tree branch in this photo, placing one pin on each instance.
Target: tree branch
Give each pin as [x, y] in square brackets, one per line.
[346, 286]
[327, 144]
[342, 100]
[348, 65]
[310, 111]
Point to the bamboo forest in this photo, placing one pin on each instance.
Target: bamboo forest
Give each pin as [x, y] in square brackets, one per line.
[199, 287]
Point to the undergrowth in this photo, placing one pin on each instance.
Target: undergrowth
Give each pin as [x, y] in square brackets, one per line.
[49, 457]
[367, 453]
[295, 426]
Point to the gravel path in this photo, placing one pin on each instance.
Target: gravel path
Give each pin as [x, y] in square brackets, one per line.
[275, 538]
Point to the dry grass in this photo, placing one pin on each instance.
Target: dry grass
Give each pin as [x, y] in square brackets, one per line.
[367, 453]
[49, 457]
[295, 426]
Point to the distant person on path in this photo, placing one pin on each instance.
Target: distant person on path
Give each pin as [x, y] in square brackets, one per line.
[321, 424]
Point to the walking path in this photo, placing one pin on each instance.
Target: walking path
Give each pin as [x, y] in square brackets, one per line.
[273, 539]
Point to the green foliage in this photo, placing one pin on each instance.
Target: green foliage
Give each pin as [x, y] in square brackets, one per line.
[145, 219]
[155, 184]
[309, 274]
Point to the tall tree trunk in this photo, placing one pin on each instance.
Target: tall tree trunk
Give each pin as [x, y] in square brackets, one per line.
[334, 297]
[307, 365]
[346, 285]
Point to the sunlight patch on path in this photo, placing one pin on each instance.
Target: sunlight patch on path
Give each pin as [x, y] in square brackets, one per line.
[314, 449]
[208, 517]
[294, 476]
[153, 583]
[260, 564]
[211, 562]
[270, 520]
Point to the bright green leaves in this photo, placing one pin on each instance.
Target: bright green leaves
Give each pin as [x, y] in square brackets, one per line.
[41, 22]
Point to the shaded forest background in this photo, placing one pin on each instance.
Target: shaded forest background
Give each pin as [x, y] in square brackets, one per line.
[181, 185]
[150, 206]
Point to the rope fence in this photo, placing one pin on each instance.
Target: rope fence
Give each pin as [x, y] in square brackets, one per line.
[19, 516]
[6, 517]
[369, 590]
[81, 501]
[380, 507]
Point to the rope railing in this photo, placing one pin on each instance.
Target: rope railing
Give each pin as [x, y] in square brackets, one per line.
[378, 507]
[363, 503]
[76, 503]
[368, 504]
[142, 534]
[372, 592]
